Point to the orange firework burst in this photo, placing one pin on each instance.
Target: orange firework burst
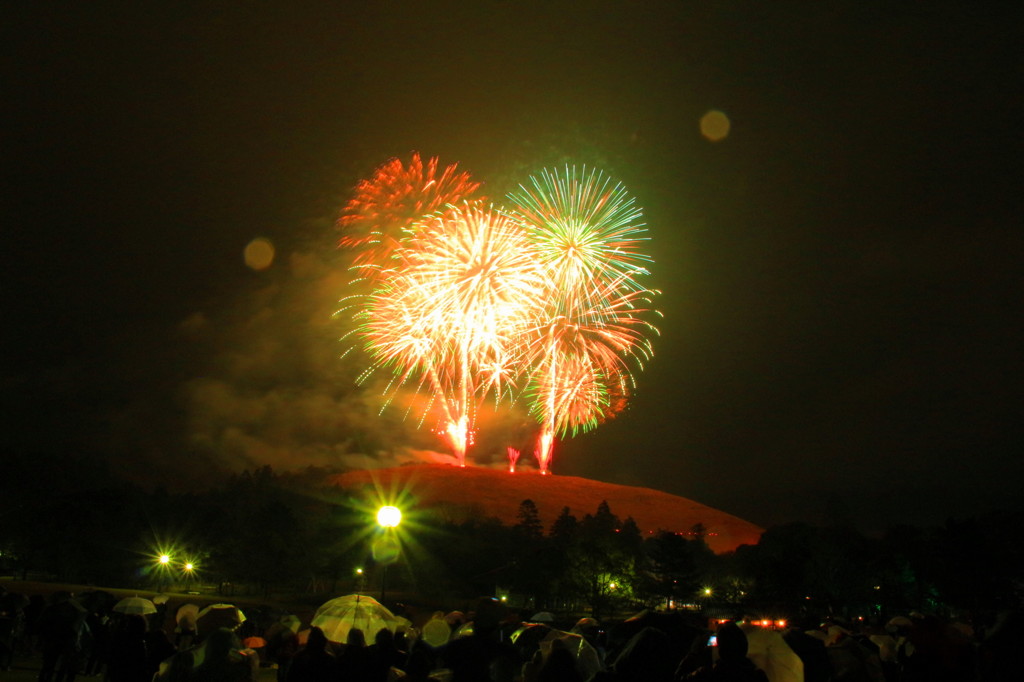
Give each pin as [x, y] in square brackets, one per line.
[450, 316]
[385, 205]
[580, 354]
[470, 301]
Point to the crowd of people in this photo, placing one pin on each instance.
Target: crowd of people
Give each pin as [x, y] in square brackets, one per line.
[75, 637]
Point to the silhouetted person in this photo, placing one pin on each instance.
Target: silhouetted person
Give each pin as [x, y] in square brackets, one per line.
[420, 662]
[223, 661]
[129, 661]
[158, 649]
[732, 664]
[648, 656]
[178, 668]
[60, 628]
[482, 656]
[12, 624]
[811, 651]
[385, 654]
[283, 645]
[559, 665]
[313, 663]
[354, 661]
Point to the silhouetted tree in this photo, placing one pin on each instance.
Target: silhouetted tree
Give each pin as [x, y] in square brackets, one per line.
[529, 524]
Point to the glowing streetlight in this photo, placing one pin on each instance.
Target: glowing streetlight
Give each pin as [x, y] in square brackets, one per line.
[389, 517]
[386, 548]
[164, 559]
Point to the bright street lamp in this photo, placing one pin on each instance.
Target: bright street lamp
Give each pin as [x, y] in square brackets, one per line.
[389, 517]
[386, 548]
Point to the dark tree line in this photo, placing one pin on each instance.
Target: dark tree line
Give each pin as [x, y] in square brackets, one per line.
[262, 531]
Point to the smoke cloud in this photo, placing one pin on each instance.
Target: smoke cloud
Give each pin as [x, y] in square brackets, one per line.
[281, 385]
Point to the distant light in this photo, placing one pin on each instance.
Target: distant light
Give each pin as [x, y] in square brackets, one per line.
[504, 598]
[190, 566]
[359, 571]
[714, 126]
[389, 516]
[707, 591]
[164, 559]
[259, 253]
[612, 585]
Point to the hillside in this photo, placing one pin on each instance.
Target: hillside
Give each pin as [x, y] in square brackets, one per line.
[491, 492]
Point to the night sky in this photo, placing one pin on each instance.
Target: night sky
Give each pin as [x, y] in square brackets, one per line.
[841, 274]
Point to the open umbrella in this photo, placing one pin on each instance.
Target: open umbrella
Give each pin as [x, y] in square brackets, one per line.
[218, 616]
[254, 642]
[341, 614]
[769, 652]
[135, 605]
[533, 636]
[188, 614]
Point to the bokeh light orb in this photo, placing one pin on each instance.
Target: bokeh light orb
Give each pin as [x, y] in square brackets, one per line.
[389, 516]
[259, 253]
[714, 126]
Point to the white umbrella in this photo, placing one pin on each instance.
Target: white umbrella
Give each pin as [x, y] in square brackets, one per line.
[218, 616]
[769, 652]
[135, 605]
[341, 614]
[187, 615]
[588, 661]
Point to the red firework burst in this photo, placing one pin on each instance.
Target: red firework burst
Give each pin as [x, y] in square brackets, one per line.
[386, 205]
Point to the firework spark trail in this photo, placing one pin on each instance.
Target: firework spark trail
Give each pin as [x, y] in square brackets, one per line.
[469, 301]
[464, 291]
[513, 457]
[586, 229]
[387, 203]
[587, 232]
[579, 356]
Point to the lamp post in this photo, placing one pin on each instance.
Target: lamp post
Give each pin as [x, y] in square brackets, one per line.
[386, 548]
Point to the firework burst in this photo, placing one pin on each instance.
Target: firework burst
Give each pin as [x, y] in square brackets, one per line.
[581, 357]
[450, 316]
[587, 232]
[586, 228]
[543, 300]
[383, 206]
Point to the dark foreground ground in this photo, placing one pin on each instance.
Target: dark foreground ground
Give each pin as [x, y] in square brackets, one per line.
[26, 669]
